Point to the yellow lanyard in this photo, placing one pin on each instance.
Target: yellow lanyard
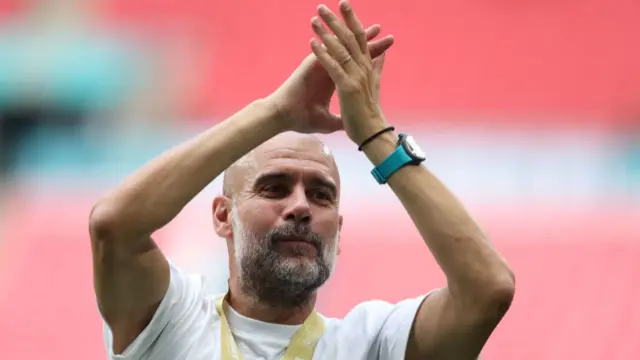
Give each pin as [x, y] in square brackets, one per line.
[301, 346]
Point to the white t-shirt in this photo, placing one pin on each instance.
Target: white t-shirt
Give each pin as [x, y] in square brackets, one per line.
[186, 326]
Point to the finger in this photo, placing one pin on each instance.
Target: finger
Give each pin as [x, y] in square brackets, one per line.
[378, 47]
[331, 66]
[342, 32]
[354, 24]
[372, 31]
[333, 46]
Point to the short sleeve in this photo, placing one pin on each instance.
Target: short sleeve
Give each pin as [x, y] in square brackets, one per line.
[374, 330]
[394, 334]
[182, 301]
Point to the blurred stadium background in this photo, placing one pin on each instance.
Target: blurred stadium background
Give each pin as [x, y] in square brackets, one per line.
[530, 111]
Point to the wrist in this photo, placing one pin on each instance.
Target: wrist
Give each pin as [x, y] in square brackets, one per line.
[366, 129]
[274, 114]
[378, 149]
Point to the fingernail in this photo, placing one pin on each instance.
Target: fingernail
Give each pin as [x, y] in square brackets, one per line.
[345, 6]
[315, 21]
[323, 9]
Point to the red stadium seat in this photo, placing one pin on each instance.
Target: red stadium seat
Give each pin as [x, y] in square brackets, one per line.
[462, 58]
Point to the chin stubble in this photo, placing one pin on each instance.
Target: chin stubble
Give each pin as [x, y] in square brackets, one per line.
[273, 278]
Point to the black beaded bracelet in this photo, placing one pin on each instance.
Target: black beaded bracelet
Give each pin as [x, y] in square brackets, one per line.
[370, 138]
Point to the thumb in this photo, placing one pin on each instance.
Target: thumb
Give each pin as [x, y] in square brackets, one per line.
[331, 122]
[380, 46]
[378, 64]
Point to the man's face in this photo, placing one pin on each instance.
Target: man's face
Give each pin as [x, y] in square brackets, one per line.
[286, 223]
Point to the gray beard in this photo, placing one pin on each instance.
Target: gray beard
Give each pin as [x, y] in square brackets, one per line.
[277, 280]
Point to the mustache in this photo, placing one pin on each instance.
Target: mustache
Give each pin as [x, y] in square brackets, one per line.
[290, 230]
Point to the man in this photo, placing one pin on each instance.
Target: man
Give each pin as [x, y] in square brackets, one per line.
[279, 215]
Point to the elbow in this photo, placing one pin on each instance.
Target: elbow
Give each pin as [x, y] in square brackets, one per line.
[503, 295]
[113, 222]
[104, 221]
[499, 294]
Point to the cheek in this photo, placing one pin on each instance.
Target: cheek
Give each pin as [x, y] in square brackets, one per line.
[327, 225]
[260, 217]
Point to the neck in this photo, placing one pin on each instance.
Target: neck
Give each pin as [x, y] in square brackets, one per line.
[250, 307]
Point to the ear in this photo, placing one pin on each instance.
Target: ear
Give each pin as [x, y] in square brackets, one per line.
[340, 221]
[222, 216]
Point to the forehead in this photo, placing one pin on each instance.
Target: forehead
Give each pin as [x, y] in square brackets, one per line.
[302, 157]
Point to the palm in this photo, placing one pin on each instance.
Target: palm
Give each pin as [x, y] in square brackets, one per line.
[304, 98]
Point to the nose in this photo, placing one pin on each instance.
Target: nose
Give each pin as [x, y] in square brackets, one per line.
[298, 209]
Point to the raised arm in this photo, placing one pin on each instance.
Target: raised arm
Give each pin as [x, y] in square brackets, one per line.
[455, 322]
[131, 275]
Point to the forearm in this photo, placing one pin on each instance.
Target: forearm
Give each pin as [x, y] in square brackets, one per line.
[471, 264]
[155, 194]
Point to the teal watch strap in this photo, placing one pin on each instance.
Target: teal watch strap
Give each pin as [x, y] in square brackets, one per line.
[391, 164]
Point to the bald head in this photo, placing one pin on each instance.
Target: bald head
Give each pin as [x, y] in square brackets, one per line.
[282, 149]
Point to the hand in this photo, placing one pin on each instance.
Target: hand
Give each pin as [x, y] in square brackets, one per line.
[302, 101]
[355, 73]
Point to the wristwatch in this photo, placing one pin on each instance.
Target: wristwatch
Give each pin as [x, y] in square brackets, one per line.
[407, 152]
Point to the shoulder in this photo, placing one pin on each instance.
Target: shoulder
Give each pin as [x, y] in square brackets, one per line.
[372, 329]
[185, 314]
[373, 314]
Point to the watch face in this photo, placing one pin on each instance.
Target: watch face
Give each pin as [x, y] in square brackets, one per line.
[413, 149]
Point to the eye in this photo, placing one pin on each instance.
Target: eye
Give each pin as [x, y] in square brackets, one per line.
[274, 190]
[322, 195]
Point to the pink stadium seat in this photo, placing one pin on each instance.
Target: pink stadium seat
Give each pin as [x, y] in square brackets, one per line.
[577, 293]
